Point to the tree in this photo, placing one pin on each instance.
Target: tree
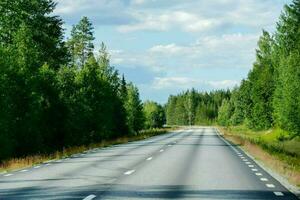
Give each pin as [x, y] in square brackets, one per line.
[81, 42]
[46, 29]
[286, 57]
[225, 113]
[154, 115]
[262, 81]
[134, 109]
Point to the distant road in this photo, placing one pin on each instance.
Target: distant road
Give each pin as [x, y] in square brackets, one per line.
[186, 164]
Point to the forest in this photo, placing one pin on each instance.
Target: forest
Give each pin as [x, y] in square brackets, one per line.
[58, 93]
[270, 95]
[195, 108]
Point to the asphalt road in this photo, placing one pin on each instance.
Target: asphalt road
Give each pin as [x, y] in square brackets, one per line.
[189, 164]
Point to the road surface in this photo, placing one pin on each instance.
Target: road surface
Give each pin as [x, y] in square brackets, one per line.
[192, 163]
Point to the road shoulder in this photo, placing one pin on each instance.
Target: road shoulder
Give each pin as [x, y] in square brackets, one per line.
[256, 156]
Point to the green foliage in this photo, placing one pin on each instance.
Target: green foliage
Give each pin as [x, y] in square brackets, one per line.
[225, 112]
[134, 109]
[80, 44]
[194, 108]
[46, 105]
[270, 95]
[154, 115]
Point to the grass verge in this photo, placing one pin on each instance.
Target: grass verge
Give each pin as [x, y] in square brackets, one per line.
[28, 161]
[271, 147]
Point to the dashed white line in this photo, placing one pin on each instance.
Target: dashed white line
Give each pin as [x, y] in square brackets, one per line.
[251, 166]
[150, 158]
[255, 170]
[270, 185]
[161, 150]
[169, 145]
[278, 193]
[264, 179]
[48, 164]
[8, 175]
[129, 172]
[258, 174]
[36, 167]
[90, 197]
[245, 160]
[24, 170]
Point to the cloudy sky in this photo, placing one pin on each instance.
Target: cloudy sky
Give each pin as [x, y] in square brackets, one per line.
[167, 46]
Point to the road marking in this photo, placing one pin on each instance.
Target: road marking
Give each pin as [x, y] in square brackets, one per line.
[255, 170]
[8, 174]
[251, 166]
[245, 160]
[270, 185]
[258, 174]
[248, 163]
[264, 179]
[150, 158]
[129, 172]
[36, 167]
[278, 193]
[161, 150]
[90, 197]
[169, 145]
[24, 170]
[48, 164]
[242, 157]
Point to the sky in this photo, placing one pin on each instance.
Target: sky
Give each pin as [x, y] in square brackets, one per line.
[168, 46]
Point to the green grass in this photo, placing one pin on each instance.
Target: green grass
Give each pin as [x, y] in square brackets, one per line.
[274, 141]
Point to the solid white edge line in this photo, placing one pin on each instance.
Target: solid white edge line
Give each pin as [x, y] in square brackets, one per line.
[90, 197]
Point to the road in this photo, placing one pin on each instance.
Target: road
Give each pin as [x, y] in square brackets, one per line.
[192, 163]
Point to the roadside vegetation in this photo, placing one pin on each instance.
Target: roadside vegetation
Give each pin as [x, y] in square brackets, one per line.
[269, 147]
[59, 96]
[28, 161]
[264, 111]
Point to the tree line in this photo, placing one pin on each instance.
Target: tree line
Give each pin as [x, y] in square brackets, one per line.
[195, 108]
[57, 93]
[270, 95]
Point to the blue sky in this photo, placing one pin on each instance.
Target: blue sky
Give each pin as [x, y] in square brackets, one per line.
[167, 46]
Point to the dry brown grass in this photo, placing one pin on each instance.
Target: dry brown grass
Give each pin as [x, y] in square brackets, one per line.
[19, 163]
[276, 162]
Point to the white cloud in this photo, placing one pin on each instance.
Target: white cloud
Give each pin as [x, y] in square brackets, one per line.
[224, 84]
[176, 19]
[183, 83]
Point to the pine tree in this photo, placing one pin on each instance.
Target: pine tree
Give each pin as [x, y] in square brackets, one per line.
[81, 42]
